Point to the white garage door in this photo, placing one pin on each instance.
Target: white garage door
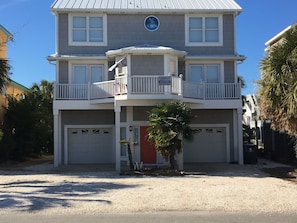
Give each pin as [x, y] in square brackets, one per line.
[90, 145]
[209, 145]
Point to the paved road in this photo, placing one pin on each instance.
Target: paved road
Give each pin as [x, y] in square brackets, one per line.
[163, 217]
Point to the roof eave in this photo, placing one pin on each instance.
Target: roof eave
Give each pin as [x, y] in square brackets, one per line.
[144, 11]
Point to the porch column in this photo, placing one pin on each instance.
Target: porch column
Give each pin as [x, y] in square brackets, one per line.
[57, 152]
[118, 137]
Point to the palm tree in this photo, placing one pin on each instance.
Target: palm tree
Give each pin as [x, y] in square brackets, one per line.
[169, 123]
[278, 86]
[4, 72]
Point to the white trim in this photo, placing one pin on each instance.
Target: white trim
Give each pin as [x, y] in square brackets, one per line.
[87, 43]
[67, 127]
[221, 28]
[224, 125]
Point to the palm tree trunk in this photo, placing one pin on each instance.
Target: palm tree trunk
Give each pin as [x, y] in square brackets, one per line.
[130, 157]
[172, 160]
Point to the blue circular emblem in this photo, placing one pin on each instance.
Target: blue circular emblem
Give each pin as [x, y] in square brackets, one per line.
[151, 23]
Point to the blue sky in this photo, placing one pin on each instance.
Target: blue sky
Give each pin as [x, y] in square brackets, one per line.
[33, 27]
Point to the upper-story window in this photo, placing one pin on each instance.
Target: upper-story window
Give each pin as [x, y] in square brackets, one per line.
[204, 30]
[87, 30]
[83, 74]
[204, 73]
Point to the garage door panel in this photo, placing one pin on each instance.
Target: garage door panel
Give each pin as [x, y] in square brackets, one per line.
[90, 146]
[209, 145]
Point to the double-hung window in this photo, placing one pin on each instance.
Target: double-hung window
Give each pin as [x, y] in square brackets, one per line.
[204, 30]
[87, 30]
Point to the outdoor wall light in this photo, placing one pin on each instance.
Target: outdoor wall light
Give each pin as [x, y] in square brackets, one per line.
[130, 128]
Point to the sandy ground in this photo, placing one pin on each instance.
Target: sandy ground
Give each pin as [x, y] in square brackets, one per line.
[229, 188]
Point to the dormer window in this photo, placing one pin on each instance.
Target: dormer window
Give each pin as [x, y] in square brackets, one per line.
[87, 30]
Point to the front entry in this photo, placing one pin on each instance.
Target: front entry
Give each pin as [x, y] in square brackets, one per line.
[148, 152]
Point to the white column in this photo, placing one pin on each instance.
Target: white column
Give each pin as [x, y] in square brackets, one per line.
[57, 153]
[118, 137]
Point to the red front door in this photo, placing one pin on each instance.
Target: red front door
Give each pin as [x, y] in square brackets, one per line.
[147, 150]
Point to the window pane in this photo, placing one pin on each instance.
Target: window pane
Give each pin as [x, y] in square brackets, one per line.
[212, 36]
[195, 36]
[79, 36]
[211, 23]
[195, 23]
[80, 75]
[96, 36]
[196, 74]
[79, 22]
[212, 74]
[96, 22]
[96, 74]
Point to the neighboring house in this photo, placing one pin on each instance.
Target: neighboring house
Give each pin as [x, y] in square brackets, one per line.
[251, 110]
[252, 119]
[12, 88]
[115, 60]
[277, 145]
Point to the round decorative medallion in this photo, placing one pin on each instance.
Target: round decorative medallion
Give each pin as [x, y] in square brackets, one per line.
[151, 23]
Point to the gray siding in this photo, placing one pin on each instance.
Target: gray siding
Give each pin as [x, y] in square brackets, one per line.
[229, 72]
[63, 72]
[147, 65]
[128, 30]
[141, 113]
[100, 117]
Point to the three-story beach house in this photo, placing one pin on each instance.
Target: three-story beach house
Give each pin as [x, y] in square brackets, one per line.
[116, 59]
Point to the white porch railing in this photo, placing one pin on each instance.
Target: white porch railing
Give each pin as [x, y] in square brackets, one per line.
[101, 90]
[212, 91]
[155, 85]
[161, 85]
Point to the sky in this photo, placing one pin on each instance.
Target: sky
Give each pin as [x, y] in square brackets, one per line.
[33, 28]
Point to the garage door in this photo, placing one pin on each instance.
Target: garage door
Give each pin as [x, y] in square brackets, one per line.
[90, 145]
[209, 145]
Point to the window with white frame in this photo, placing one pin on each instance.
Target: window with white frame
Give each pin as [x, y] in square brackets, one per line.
[204, 73]
[87, 30]
[204, 30]
[83, 74]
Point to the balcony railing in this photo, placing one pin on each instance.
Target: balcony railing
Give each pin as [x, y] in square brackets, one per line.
[144, 85]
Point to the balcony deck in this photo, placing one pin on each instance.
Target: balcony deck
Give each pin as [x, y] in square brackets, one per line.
[158, 86]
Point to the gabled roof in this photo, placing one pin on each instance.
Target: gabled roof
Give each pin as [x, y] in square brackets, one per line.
[279, 36]
[154, 6]
[8, 34]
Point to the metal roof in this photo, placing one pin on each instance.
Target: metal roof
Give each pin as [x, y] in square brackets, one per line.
[162, 6]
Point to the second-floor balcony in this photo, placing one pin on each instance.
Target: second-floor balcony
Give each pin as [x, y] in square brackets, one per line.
[143, 86]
